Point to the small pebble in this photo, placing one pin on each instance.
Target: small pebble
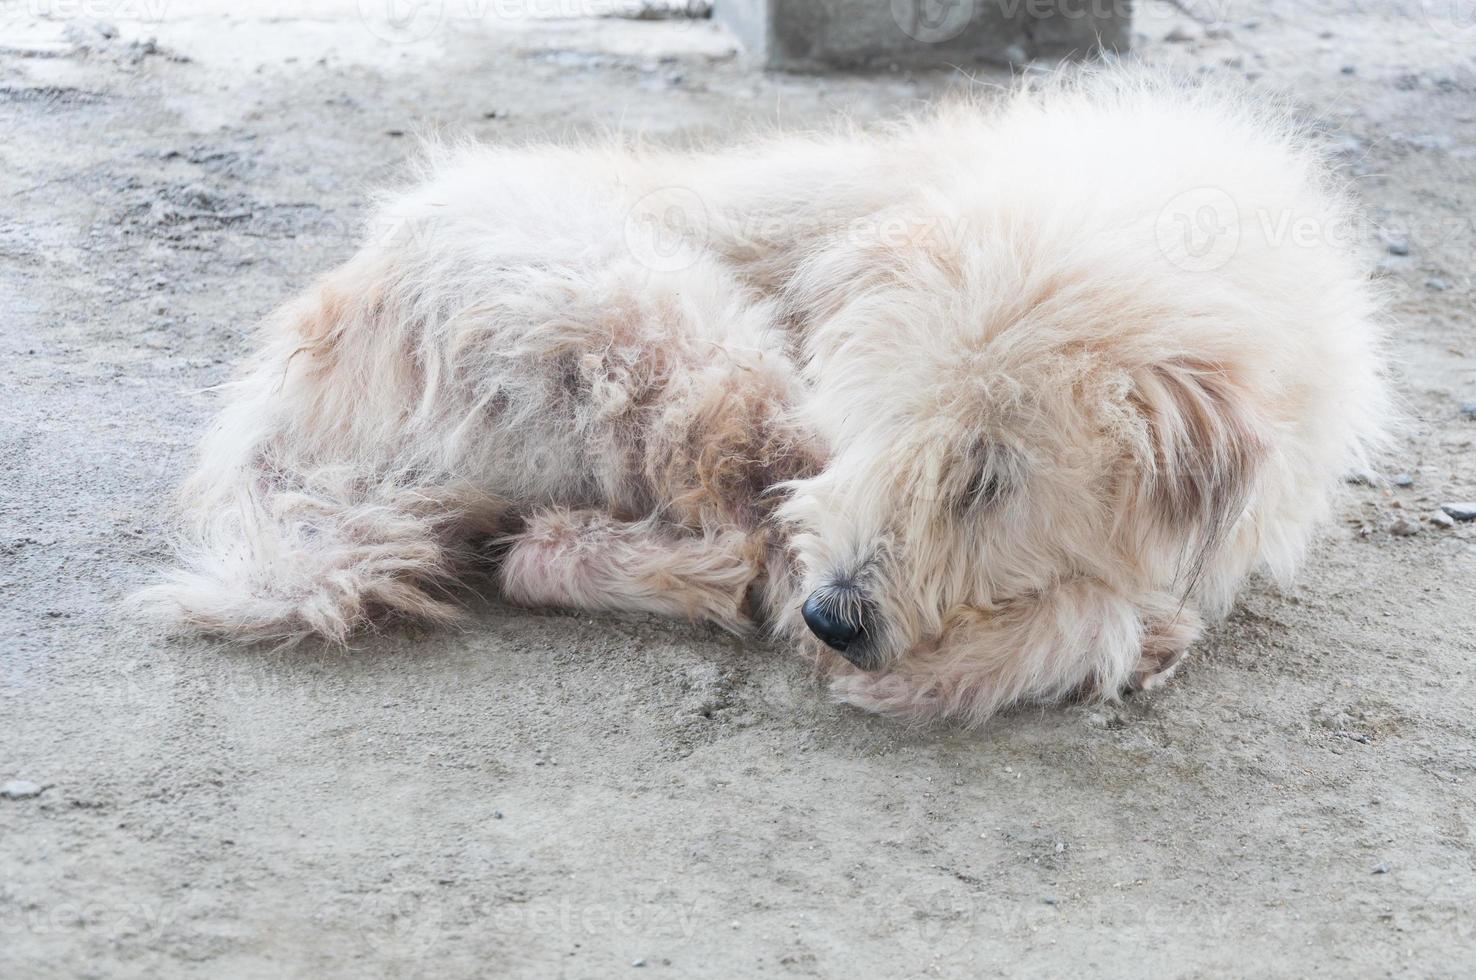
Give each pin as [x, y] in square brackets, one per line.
[1436, 285]
[1049, 900]
[1468, 410]
[1441, 519]
[1397, 246]
[1403, 480]
[1463, 511]
[637, 962]
[1380, 869]
[496, 814]
[20, 789]
[1350, 69]
[1403, 528]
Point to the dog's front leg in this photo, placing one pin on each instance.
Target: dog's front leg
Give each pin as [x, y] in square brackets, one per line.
[586, 559]
[1081, 637]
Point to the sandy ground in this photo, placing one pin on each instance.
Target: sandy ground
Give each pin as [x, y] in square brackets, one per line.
[549, 795]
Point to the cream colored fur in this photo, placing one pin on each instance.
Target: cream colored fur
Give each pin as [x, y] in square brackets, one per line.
[962, 370]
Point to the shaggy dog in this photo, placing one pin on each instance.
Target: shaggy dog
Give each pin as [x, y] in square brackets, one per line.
[990, 407]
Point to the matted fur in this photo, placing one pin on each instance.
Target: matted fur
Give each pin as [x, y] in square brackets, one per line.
[953, 370]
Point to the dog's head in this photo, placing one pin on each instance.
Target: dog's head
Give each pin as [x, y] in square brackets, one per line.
[985, 449]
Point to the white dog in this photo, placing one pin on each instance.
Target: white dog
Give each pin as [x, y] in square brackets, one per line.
[988, 407]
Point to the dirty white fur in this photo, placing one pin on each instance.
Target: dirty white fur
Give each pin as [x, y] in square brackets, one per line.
[966, 371]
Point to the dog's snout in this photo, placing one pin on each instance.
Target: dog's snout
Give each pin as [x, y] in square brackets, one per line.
[839, 619]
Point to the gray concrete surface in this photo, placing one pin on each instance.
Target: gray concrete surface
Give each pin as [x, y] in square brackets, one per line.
[547, 795]
[812, 35]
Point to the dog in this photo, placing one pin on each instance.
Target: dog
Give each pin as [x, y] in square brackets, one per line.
[993, 406]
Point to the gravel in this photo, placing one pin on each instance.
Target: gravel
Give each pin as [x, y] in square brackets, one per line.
[1395, 243]
[1462, 511]
[784, 836]
[20, 789]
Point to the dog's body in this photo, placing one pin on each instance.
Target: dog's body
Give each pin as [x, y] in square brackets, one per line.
[959, 397]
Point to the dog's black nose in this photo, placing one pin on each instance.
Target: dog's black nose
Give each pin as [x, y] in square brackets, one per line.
[835, 620]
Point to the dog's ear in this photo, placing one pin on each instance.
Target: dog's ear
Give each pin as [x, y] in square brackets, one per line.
[1204, 447]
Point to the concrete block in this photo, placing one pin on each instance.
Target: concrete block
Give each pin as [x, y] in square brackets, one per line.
[804, 35]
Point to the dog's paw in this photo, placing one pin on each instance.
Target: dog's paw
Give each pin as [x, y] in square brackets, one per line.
[1165, 642]
[1154, 671]
[892, 695]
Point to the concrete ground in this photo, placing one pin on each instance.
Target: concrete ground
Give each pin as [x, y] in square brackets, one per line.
[551, 795]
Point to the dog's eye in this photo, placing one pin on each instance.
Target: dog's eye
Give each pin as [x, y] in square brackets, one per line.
[985, 488]
[993, 471]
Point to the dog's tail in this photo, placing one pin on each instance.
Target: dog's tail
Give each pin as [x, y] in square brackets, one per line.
[314, 511]
[265, 557]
